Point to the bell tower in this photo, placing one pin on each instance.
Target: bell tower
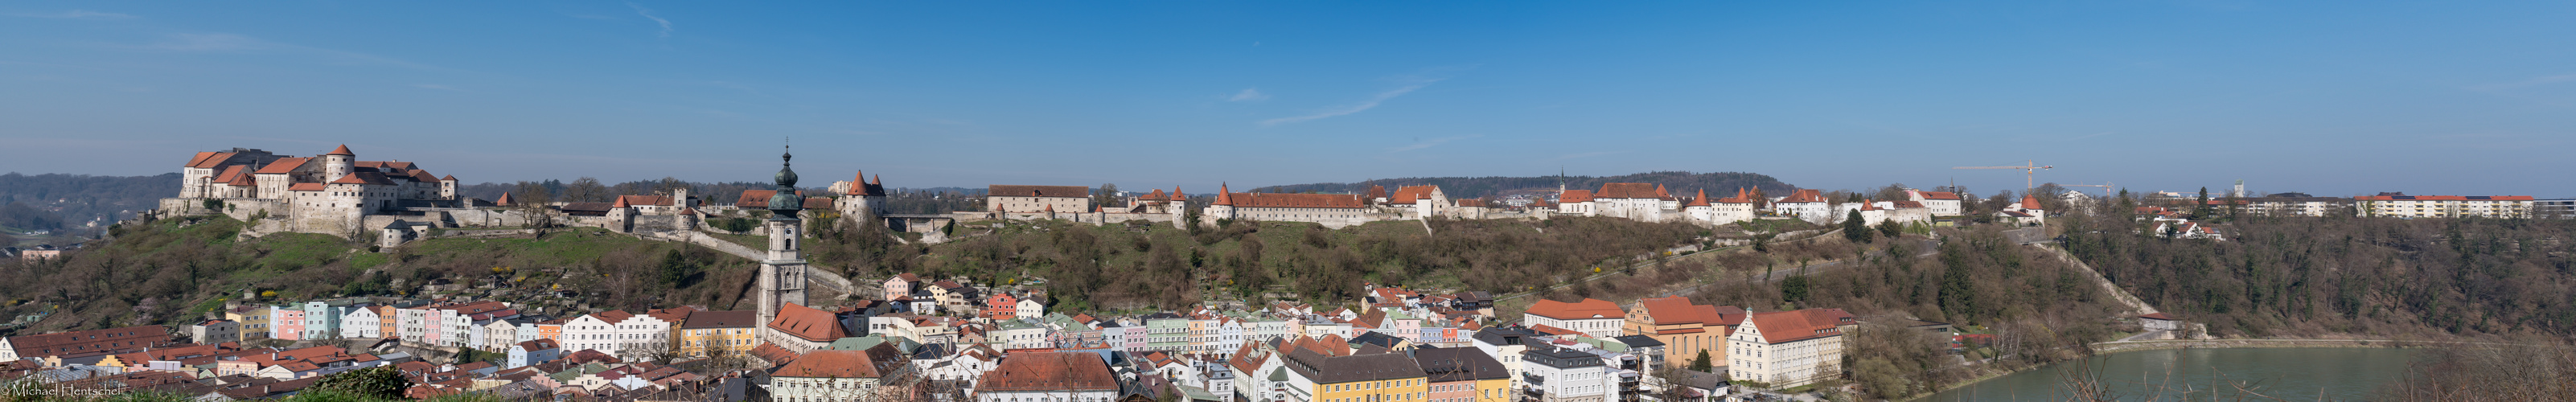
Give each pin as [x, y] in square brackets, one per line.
[782, 276]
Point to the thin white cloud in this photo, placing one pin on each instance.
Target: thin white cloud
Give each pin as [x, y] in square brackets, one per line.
[1353, 108]
[224, 42]
[211, 42]
[648, 13]
[441, 87]
[1249, 95]
[75, 15]
[1431, 143]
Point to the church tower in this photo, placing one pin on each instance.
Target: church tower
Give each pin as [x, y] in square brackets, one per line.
[782, 276]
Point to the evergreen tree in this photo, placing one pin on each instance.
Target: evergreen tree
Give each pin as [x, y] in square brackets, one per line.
[2200, 206]
[1703, 363]
[1854, 229]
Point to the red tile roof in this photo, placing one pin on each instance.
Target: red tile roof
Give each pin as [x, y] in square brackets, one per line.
[1791, 326]
[1575, 196]
[1939, 195]
[200, 160]
[874, 362]
[1630, 190]
[1007, 190]
[1700, 200]
[1049, 371]
[1407, 194]
[282, 166]
[342, 150]
[505, 200]
[808, 323]
[1589, 308]
[1804, 195]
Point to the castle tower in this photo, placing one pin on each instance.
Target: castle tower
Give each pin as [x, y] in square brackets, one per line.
[782, 276]
[338, 163]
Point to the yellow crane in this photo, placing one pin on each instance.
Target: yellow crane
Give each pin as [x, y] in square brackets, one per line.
[2030, 171]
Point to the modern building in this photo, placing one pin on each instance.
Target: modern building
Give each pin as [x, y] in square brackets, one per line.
[1553, 374]
[2444, 206]
[1595, 317]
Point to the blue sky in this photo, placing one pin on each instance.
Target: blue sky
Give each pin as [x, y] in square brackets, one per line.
[2332, 98]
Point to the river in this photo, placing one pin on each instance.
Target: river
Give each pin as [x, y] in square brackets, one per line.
[2304, 374]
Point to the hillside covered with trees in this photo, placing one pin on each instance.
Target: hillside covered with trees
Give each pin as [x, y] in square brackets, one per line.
[2377, 276]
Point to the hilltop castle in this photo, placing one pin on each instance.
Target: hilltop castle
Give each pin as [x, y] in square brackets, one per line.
[332, 193]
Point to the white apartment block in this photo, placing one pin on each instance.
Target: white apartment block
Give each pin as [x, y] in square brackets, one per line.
[2444, 206]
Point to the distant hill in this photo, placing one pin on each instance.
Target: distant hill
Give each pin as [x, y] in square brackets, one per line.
[1680, 183]
[56, 201]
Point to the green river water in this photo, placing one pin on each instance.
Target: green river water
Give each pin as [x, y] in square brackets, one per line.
[2298, 374]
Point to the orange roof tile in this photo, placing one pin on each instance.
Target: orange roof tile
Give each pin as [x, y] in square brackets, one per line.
[1575, 196]
[1049, 371]
[1804, 195]
[283, 166]
[1629, 190]
[1790, 326]
[342, 150]
[808, 323]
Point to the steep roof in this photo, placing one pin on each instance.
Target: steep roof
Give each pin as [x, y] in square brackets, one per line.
[1574, 196]
[1049, 371]
[721, 319]
[342, 150]
[875, 362]
[1008, 190]
[1791, 326]
[654, 200]
[1700, 200]
[1629, 190]
[202, 159]
[1804, 195]
[1408, 194]
[282, 166]
[808, 323]
[1589, 308]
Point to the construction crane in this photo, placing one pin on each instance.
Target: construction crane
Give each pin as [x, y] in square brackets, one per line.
[2029, 169]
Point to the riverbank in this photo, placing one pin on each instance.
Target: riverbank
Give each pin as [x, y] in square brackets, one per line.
[2117, 347]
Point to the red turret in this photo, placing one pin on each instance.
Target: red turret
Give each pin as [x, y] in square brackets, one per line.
[342, 150]
[1224, 196]
[1701, 200]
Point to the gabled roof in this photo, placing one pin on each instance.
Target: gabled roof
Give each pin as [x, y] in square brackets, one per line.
[808, 323]
[207, 159]
[1407, 194]
[1791, 326]
[1804, 195]
[282, 166]
[1049, 371]
[1629, 190]
[721, 319]
[1574, 196]
[875, 362]
[655, 200]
